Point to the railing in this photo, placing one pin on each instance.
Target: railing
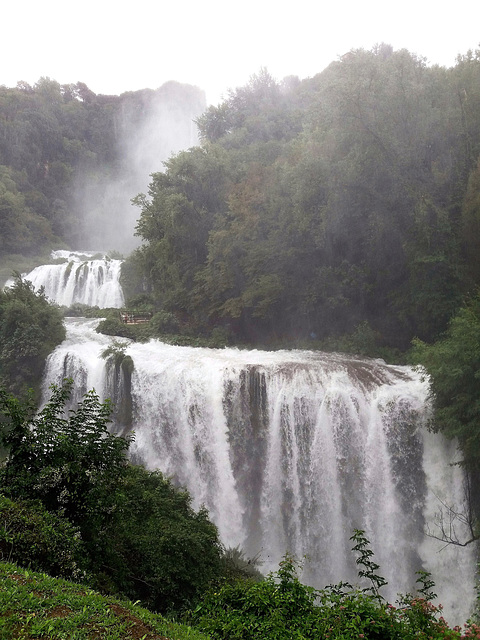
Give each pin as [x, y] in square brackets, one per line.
[130, 317]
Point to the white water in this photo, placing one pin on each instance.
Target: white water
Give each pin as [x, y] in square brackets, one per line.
[292, 450]
[81, 279]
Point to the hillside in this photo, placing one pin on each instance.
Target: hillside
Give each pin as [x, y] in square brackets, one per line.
[34, 605]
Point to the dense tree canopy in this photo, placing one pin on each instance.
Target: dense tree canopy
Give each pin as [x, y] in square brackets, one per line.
[453, 363]
[453, 367]
[315, 206]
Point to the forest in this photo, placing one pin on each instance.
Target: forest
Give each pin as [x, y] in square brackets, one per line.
[340, 205]
[343, 203]
[338, 212]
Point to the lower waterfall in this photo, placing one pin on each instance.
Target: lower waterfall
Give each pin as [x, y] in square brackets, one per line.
[290, 450]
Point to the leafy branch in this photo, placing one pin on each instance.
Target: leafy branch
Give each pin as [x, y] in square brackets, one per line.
[369, 566]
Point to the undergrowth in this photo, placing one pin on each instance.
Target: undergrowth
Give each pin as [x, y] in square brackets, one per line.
[282, 608]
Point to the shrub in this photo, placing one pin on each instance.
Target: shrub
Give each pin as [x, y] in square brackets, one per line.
[33, 537]
[163, 322]
[141, 536]
[161, 551]
[237, 566]
[115, 327]
[72, 465]
[281, 608]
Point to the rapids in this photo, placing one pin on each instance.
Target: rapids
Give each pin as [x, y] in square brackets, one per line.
[289, 450]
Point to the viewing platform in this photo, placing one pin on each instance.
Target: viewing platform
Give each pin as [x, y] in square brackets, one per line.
[134, 317]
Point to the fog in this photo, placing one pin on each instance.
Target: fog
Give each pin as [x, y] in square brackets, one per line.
[149, 127]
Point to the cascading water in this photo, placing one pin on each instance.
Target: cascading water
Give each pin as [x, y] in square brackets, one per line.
[81, 278]
[290, 450]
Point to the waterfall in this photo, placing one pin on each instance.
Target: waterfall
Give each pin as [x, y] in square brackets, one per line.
[81, 278]
[291, 450]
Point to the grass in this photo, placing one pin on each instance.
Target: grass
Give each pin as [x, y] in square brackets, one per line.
[34, 605]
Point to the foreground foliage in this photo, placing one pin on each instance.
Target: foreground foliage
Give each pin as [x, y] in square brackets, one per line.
[37, 538]
[282, 608]
[70, 464]
[34, 605]
[138, 535]
[160, 550]
[73, 505]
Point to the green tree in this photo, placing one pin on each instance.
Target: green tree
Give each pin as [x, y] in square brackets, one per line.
[139, 534]
[175, 222]
[30, 328]
[453, 365]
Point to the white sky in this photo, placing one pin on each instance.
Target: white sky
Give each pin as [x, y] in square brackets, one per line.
[116, 46]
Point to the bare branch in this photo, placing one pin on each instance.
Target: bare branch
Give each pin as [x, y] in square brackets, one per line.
[449, 520]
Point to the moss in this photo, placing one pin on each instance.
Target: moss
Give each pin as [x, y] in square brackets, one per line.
[67, 273]
[127, 365]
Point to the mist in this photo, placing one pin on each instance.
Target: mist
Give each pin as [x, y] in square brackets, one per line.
[149, 126]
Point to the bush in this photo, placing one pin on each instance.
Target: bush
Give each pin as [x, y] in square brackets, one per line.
[161, 551]
[33, 537]
[282, 608]
[115, 327]
[72, 465]
[279, 607]
[163, 322]
[141, 536]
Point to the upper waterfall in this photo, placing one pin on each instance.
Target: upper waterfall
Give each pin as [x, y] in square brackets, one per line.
[290, 451]
[82, 278]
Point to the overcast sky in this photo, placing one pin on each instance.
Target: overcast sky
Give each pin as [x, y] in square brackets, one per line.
[116, 46]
